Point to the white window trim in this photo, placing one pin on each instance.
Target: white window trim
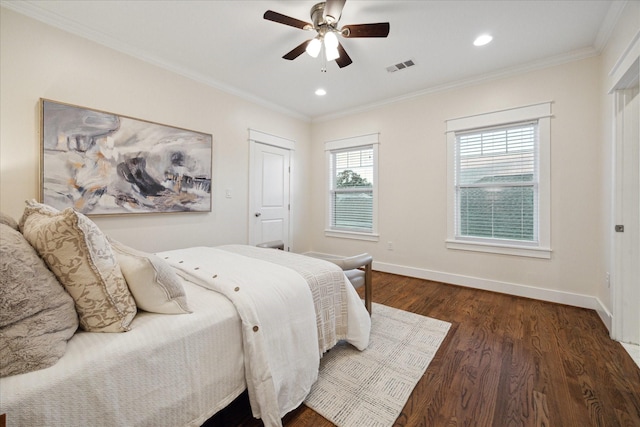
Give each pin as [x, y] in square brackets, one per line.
[540, 112]
[352, 142]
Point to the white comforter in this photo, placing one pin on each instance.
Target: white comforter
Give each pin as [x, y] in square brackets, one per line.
[169, 370]
[287, 322]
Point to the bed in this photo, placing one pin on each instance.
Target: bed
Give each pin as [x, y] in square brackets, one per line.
[260, 319]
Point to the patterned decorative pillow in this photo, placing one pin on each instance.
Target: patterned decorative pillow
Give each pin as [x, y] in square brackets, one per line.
[37, 316]
[80, 256]
[154, 284]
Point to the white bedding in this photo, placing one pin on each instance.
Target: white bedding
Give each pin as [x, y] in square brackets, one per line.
[286, 301]
[179, 370]
[169, 370]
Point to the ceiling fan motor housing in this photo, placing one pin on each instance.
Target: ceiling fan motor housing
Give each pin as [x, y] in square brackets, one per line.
[321, 25]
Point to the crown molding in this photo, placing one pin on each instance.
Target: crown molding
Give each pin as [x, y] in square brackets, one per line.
[609, 24]
[506, 72]
[33, 11]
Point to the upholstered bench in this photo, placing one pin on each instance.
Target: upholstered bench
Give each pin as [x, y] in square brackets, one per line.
[274, 244]
[357, 268]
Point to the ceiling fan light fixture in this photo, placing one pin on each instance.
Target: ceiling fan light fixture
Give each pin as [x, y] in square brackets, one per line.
[332, 53]
[324, 21]
[313, 48]
[330, 40]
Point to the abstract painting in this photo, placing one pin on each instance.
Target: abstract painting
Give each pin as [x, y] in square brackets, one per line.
[102, 163]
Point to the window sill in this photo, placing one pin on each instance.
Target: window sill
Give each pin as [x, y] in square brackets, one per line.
[522, 251]
[371, 237]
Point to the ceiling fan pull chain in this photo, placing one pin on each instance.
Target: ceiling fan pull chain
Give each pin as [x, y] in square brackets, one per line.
[323, 69]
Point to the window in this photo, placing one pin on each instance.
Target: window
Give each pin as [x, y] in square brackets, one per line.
[352, 183]
[352, 189]
[499, 182]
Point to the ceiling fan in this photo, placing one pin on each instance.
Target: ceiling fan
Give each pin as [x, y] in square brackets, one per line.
[325, 17]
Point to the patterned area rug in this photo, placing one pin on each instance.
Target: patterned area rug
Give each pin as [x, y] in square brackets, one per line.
[371, 387]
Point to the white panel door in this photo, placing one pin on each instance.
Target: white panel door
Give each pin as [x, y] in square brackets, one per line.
[626, 327]
[269, 208]
[625, 289]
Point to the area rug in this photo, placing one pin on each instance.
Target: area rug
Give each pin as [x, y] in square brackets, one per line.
[371, 387]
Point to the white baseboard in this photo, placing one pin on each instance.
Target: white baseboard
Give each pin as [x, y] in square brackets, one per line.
[605, 315]
[550, 295]
[527, 291]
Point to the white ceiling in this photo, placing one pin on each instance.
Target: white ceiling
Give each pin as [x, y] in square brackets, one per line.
[229, 45]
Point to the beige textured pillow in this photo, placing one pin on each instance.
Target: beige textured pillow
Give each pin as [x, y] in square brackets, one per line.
[7, 220]
[37, 316]
[154, 284]
[80, 256]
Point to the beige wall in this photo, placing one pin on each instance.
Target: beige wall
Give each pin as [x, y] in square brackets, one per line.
[412, 170]
[39, 61]
[412, 191]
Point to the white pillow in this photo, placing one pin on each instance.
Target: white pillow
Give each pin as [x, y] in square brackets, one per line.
[154, 284]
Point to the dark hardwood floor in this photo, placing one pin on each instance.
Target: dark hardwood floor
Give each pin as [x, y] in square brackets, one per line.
[507, 361]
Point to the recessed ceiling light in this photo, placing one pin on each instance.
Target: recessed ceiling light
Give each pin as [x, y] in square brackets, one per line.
[321, 92]
[482, 40]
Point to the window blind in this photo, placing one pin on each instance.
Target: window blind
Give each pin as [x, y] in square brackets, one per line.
[351, 188]
[497, 183]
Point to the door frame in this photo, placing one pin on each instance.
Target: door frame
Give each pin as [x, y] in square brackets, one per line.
[263, 138]
[625, 75]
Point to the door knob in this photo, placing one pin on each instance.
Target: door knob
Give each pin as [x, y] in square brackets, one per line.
[257, 214]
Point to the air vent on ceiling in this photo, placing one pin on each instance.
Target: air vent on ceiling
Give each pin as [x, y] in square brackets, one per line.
[401, 66]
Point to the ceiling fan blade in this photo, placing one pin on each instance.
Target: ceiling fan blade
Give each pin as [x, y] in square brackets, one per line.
[270, 15]
[366, 30]
[297, 51]
[343, 60]
[333, 10]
